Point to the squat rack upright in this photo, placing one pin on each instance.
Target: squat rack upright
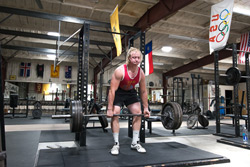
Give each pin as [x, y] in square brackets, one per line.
[82, 77]
[236, 87]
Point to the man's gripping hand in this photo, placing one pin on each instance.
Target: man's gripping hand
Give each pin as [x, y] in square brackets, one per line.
[110, 113]
[146, 113]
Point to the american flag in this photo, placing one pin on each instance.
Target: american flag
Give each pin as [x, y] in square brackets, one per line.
[68, 70]
[244, 46]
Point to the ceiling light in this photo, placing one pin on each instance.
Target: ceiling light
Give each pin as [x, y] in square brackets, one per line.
[166, 48]
[241, 10]
[211, 68]
[158, 64]
[51, 56]
[188, 38]
[53, 34]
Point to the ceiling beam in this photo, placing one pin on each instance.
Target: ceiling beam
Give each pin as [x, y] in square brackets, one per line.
[159, 11]
[199, 63]
[57, 17]
[49, 37]
[47, 51]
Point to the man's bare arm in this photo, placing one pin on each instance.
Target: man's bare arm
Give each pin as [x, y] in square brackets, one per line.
[143, 92]
[115, 81]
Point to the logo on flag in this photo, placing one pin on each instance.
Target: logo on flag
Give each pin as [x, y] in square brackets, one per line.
[54, 74]
[244, 46]
[221, 16]
[25, 69]
[114, 21]
[38, 87]
[149, 67]
[68, 70]
[39, 70]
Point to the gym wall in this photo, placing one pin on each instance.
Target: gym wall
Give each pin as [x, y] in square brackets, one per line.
[13, 68]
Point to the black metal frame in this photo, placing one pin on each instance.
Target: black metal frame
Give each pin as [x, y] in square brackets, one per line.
[247, 88]
[177, 81]
[140, 35]
[2, 132]
[82, 78]
[217, 104]
[198, 78]
[200, 96]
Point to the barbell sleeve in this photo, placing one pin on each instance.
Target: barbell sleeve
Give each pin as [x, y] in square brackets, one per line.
[61, 116]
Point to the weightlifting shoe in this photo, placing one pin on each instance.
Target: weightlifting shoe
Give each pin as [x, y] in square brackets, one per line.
[138, 148]
[115, 149]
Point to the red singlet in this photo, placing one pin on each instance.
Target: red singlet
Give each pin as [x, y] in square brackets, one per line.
[128, 83]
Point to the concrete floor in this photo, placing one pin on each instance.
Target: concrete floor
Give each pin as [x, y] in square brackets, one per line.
[204, 141]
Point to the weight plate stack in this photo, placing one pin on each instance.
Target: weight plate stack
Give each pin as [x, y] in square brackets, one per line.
[203, 120]
[233, 76]
[172, 116]
[37, 113]
[76, 121]
[191, 121]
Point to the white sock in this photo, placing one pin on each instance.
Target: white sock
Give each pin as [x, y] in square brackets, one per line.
[135, 136]
[116, 138]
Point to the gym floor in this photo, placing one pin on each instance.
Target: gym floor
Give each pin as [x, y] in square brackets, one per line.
[24, 140]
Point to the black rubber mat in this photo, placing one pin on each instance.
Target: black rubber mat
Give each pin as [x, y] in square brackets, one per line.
[234, 142]
[56, 136]
[21, 148]
[65, 135]
[168, 154]
[31, 120]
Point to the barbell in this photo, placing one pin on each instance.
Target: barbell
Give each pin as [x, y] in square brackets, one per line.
[171, 116]
[233, 76]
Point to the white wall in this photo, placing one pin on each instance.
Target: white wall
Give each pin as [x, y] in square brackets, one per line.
[13, 68]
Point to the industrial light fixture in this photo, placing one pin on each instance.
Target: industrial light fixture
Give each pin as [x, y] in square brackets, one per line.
[53, 34]
[211, 68]
[51, 56]
[188, 38]
[166, 48]
[158, 64]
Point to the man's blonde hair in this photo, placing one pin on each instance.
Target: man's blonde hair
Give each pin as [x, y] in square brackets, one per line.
[132, 49]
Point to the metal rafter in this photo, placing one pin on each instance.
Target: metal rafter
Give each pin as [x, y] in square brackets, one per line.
[199, 63]
[58, 17]
[48, 51]
[49, 37]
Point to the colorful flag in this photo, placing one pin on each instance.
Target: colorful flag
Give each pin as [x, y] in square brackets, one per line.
[38, 87]
[220, 23]
[45, 89]
[244, 46]
[25, 69]
[149, 67]
[39, 70]
[114, 21]
[54, 74]
[68, 70]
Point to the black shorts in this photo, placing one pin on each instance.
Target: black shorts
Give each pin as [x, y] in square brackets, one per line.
[126, 97]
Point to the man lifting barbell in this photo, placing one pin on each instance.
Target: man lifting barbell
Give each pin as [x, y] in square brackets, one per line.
[122, 91]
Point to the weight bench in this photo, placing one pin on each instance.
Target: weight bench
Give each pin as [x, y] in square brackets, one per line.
[64, 111]
[243, 117]
[152, 119]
